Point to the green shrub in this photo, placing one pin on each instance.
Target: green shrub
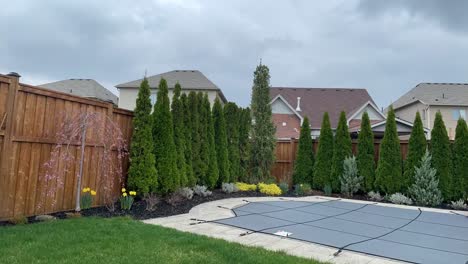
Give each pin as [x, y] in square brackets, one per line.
[284, 186]
[262, 155]
[142, 174]
[245, 122]
[163, 138]
[350, 180]
[231, 114]
[327, 190]
[365, 155]
[340, 152]
[441, 156]
[416, 149]
[460, 161]
[178, 118]
[388, 176]
[323, 162]
[302, 189]
[424, 190]
[304, 164]
[221, 142]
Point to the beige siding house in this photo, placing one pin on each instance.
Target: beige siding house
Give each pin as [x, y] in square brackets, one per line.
[190, 80]
[451, 99]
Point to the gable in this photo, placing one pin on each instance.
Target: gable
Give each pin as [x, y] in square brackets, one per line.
[373, 114]
[280, 107]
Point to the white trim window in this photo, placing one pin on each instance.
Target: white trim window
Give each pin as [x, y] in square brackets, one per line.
[459, 113]
[153, 97]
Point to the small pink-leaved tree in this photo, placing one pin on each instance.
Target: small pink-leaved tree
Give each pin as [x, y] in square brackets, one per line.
[73, 132]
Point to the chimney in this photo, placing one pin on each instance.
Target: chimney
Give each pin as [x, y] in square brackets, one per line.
[298, 108]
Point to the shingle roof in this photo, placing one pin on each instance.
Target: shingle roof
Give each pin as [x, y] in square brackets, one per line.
[188, 79]
[436, 94]
[316, 101]
[83, 87]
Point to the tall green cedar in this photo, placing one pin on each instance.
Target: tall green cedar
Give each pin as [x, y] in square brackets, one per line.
[441, 156]
[194, 110]
[340, 152]
[263, 131]
[323, 161]
[365, 155]
[388, 176]
[304, 165]
[245, 122]
[191, 180]
[460, 161]
[231, 114]
[163, 138]
[221, 142]
[416, 149]
[179, 134]
[142, 174]
[212, 174]
[202, 172]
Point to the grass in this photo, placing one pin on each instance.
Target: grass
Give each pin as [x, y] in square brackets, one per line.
[122, 240]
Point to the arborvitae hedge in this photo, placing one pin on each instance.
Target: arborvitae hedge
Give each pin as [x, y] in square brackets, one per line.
[221, 142]
[245, 123]
[213, 171]
[179, 134]
[142, 174]
[323, 161]
[304, 164]
[365, 155]
[263, 131]
[202, 173]
[163, 138]
[341, 152]
[194, 110]
[441, 156]
[416, 149]
[231, 115]
[388, 176]
[460, 161]
[191, 180]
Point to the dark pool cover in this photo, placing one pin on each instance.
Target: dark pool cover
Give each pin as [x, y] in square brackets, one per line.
[402, 234]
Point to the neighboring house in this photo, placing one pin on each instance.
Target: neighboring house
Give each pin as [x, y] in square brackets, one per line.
[451, 99]
[291, 105]
[190, 80]
[83, 87]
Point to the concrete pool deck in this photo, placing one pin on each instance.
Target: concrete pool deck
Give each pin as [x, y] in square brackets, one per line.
[221, 209]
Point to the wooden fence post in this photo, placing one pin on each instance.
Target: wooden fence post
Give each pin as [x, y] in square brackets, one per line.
[6, 195]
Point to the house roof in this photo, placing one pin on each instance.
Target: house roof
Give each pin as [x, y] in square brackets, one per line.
[83, 87]
[188, 79]
[435, 94]
[316, 101]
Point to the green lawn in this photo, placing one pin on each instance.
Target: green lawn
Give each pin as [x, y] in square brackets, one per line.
[122, 240]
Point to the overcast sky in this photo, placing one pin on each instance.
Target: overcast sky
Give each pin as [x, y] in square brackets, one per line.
[386, 47]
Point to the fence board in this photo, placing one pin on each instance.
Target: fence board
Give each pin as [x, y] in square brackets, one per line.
[30, 118]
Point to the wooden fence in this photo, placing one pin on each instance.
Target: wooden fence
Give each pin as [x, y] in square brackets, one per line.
[286, 155]
[29, 121]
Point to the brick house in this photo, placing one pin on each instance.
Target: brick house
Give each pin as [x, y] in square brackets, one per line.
[291, 105]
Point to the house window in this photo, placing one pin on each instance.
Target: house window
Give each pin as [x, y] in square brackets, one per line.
[424, 113]
[153, 98]
[459, 113]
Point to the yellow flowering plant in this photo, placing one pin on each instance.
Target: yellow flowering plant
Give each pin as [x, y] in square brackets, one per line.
[87, 197]
[126, 200]
[246, 187]
[269, 189]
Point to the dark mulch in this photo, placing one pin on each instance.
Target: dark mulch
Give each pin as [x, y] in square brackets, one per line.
[138, 210]
[164, 209]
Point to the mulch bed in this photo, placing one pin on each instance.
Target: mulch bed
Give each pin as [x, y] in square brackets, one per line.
[164, 209]
[138, 209]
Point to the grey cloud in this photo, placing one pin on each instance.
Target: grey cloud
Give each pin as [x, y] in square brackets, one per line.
[305, 43]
